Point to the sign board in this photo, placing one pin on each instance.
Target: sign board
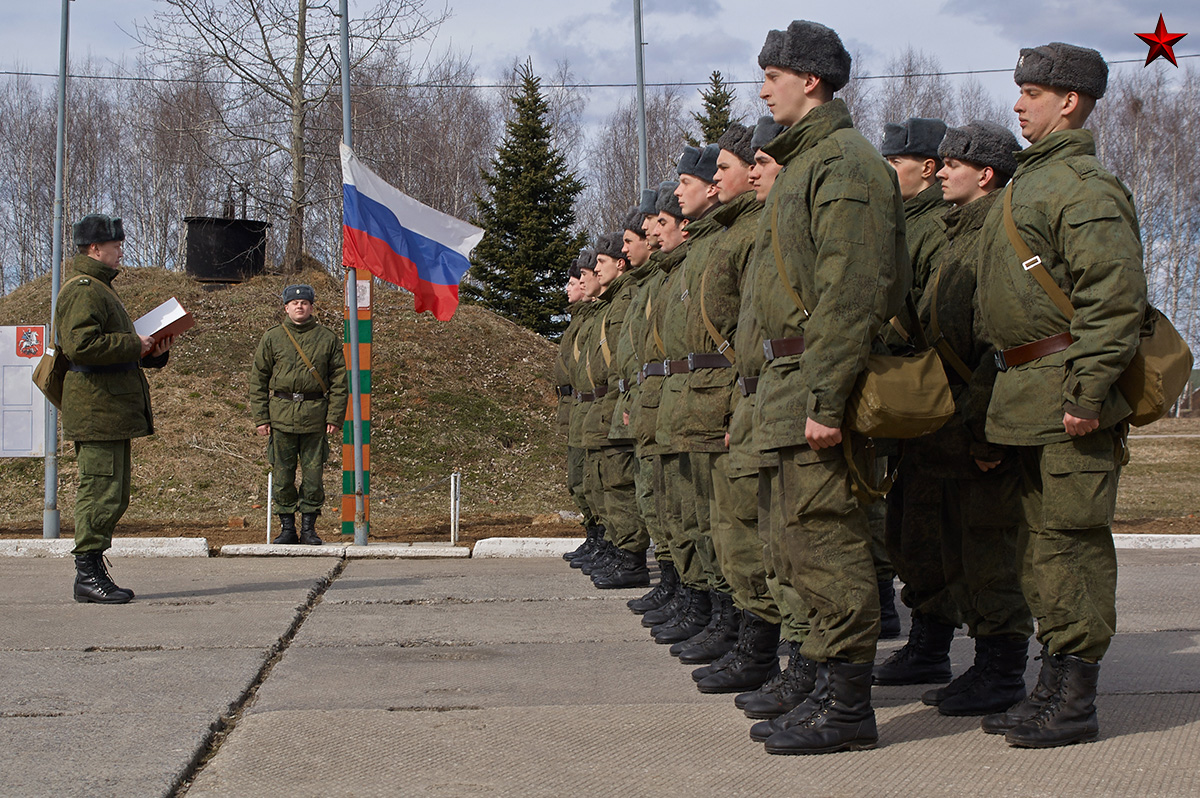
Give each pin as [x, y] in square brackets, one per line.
[22, 406]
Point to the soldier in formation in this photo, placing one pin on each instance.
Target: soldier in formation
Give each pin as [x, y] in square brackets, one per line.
[752, 292]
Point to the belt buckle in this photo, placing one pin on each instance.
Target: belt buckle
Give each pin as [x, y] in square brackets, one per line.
[741, 381]
[691, 358]
[666, 367]
[768, 349]
[297, 397]
[1001, 365]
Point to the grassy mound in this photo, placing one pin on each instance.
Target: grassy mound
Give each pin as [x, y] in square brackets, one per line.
[472, 395]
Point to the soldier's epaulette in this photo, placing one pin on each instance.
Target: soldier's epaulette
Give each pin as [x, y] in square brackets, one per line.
[1084, 167]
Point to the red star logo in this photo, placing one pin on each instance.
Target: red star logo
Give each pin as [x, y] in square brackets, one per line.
[1160, 42]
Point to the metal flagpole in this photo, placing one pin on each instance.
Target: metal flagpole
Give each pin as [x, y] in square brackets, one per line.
[50, 519]
[360, 521]
[639, 45]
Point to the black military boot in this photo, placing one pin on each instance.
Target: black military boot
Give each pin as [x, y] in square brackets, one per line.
[670, 610]
[630, 571]
[1069, 716]
[755, 658]
[701, 637]
[763, 730]
[308, 530]
[924, 659]
[1046, 687]
[93, 584]
[694, 619]
[723, 632]
[590, 548]
[995, 682]
[843, 721]
[783, 693]
[668, 582]
[605, 553]
[589, 542]
[889, 619]
[287, 530]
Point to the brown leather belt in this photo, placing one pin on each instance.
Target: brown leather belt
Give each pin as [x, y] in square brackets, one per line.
[748, 385]
[599, 391]
[1008, 358]
[675, 367]
[565, 390]
[585, 396]
[782, 347]
[655, 369]
[299, 397]
[701, 360]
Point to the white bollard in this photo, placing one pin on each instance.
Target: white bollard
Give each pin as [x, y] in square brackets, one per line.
[455, 505]
[270, 476]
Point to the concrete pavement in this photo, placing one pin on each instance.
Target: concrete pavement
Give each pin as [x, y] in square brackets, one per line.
[499, 677]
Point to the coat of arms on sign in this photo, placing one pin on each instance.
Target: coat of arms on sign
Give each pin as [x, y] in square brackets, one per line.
[30, 341]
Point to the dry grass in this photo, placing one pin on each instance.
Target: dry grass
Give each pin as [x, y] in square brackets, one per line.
[472, 394]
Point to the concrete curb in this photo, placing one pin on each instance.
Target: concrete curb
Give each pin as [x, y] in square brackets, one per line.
[524, 547]
[370, 551]
[121, 547]
[1156, 541]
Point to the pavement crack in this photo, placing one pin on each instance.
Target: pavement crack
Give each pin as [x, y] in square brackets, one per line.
[224, 725]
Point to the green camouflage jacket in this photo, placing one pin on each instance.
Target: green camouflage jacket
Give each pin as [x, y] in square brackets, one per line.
[674, 312]
[1080, 221]
[278, 367]
[950, 452]
[841, 237]
[94, 330]
[744, 456]
[562, 373]
[651, 349]
[602, 360]
[626, 365]
[585, 314]
[716, 286]
[924, 233]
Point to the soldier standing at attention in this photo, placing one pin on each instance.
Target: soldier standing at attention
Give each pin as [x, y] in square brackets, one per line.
[106, 399]
[563, 366]
[913, 505]
[1055, 399]
[298, 397]
[830, 268]
[975, 485]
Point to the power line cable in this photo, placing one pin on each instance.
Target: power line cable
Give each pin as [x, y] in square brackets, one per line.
[682, 84]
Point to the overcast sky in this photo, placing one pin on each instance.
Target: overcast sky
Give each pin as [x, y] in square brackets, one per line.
[685, 40]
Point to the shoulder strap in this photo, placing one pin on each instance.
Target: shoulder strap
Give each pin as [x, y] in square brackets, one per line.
[604, 347]
[943, 346]
[1031, 262]
[311, 368]
[723, 345]
[787, 285]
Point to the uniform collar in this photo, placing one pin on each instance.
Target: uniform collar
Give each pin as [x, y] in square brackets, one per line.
[304, 327]
[965, 218]
[817, 124]
[930, 199]
[736, 208]
[94, 268]
[1059, 144]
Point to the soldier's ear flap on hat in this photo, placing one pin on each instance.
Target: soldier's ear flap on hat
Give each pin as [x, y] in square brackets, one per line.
[293, 292]
[97, 228]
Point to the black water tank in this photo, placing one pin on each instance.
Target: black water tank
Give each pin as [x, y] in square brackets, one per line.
[225, 250]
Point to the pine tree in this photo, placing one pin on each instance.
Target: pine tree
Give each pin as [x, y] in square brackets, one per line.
[718, 110]
[520, 267]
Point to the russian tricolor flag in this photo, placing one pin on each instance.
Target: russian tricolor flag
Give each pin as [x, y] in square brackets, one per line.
[398, 239]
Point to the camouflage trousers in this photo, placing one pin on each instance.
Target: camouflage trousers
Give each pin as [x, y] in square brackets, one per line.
[739, 549]
[105, 471]
[643, 485]
[286, 450]
[622, 521]
[593, 487]
[677, 510]
[918, 518]
[793, 612]
[822, 526]
[703, 465]
[1068, 563]
[576, 460]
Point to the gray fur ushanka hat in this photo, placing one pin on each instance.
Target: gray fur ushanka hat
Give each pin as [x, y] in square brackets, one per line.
[633, 221]
[299, 292]
[737, 140]
[808, 47]
[587, 259]
[97, 228]
[916, 136]
[983, 144]
[765, 132]
[701, 163]
[610, 244]
[646, 207]
[667, 202]
[1063, 66]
